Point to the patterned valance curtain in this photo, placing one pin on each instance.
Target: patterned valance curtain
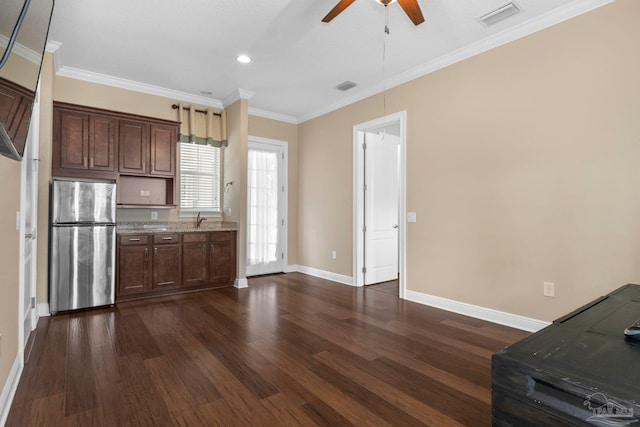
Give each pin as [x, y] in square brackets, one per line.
[203, 129]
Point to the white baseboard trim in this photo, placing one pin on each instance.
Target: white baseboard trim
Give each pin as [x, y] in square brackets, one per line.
[10, 387]
[488, 314]
[241, 283]
[43, 309]
[290, 268]
[334, 277]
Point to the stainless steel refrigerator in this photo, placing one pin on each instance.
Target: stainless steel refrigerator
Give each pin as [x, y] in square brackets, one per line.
[83, 244]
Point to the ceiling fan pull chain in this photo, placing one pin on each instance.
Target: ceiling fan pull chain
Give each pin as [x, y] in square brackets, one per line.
[386, 20]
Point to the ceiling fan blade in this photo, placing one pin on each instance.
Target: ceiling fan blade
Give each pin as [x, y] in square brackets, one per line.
[412, 9]
[342, 5]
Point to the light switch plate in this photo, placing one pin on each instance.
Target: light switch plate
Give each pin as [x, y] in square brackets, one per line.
[411, 217]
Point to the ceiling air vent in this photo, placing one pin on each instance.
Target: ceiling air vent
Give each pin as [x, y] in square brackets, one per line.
[346, 86]
[501, 13]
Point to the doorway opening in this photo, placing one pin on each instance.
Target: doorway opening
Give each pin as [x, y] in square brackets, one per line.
[266, 206]
[379, 201]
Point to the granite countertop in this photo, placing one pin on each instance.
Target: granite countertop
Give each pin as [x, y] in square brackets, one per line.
[174, 227]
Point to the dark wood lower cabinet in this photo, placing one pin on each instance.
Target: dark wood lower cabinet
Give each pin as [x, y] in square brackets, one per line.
[166, 266]
[134, 265]
[221, 247]
[194, 259]
[157, 264]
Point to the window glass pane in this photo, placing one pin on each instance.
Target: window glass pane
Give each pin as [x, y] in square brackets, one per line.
[199, 177]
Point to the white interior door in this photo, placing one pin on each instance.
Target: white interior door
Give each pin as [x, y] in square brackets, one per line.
[381, 207]
[28, 225]
[266, 194]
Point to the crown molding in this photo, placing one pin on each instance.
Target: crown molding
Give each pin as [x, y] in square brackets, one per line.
[561, 14]
[237, 95]
[23, 51]
[273, 116]
[90, 76]
[52, 46]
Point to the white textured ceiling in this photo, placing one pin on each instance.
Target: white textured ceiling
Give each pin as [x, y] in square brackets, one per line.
[191, 46]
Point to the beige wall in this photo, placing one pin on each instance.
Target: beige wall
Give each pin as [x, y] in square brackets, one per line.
[273, 129]
[235, 171]
[522, 168]
[20, 71]
[9, 265]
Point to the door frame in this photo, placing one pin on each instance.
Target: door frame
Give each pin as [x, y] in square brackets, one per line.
[358, 201]
[284, 203]
[31, 159]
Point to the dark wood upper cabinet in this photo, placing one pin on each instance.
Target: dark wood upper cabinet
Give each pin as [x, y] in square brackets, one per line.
[15, 112]
[102, 143]
[74, 140]
[133, 147]
[163, 150]
[137, 152]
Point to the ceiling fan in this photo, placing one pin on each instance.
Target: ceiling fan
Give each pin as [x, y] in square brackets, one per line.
[410, 7]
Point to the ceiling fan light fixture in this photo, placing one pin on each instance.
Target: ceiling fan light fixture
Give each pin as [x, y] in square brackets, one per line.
[386, 2]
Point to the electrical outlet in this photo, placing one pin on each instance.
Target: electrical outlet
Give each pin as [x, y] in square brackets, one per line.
[411, 217]
[549, 289]
[154, 215]
[333, 255]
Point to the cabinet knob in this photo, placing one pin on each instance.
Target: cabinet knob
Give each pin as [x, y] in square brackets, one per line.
[146, 253]
[155, 251]
[91, 162]
[134, 240]
[84, 161]
[166, 238]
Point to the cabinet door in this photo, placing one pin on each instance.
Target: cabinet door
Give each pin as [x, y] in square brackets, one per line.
[133, 269]
[9, 104]
[194, 264]
[133, 147]
[222, 257]
[74, 140]
[102, 143]
[166, 266]
[163, 150]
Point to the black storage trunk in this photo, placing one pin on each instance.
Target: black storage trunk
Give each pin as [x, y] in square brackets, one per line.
[581, 370]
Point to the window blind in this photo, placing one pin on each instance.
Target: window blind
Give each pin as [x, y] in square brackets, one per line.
[199, 177]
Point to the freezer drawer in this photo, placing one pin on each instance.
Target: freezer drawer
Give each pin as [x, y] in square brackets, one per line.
[83, 201]
[82, 267]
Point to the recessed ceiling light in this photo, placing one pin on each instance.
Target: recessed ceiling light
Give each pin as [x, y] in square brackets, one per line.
[243, 59]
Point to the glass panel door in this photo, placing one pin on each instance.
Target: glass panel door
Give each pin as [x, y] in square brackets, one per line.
[265, 202]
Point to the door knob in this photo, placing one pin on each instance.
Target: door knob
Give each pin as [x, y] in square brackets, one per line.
[395, 226]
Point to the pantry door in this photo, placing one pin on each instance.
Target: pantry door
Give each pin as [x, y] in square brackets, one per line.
[266, 202]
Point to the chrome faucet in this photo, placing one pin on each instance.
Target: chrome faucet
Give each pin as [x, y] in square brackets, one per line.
[199, 220]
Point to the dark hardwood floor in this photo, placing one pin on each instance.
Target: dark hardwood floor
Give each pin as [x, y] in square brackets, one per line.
[290, 350]
[390, 287]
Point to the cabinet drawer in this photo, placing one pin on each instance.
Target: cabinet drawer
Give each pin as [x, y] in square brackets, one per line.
[194, 237]
[165, 238]
[218, 236]
[134, 239]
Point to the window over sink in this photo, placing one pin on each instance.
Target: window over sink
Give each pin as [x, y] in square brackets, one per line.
[199, 179]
